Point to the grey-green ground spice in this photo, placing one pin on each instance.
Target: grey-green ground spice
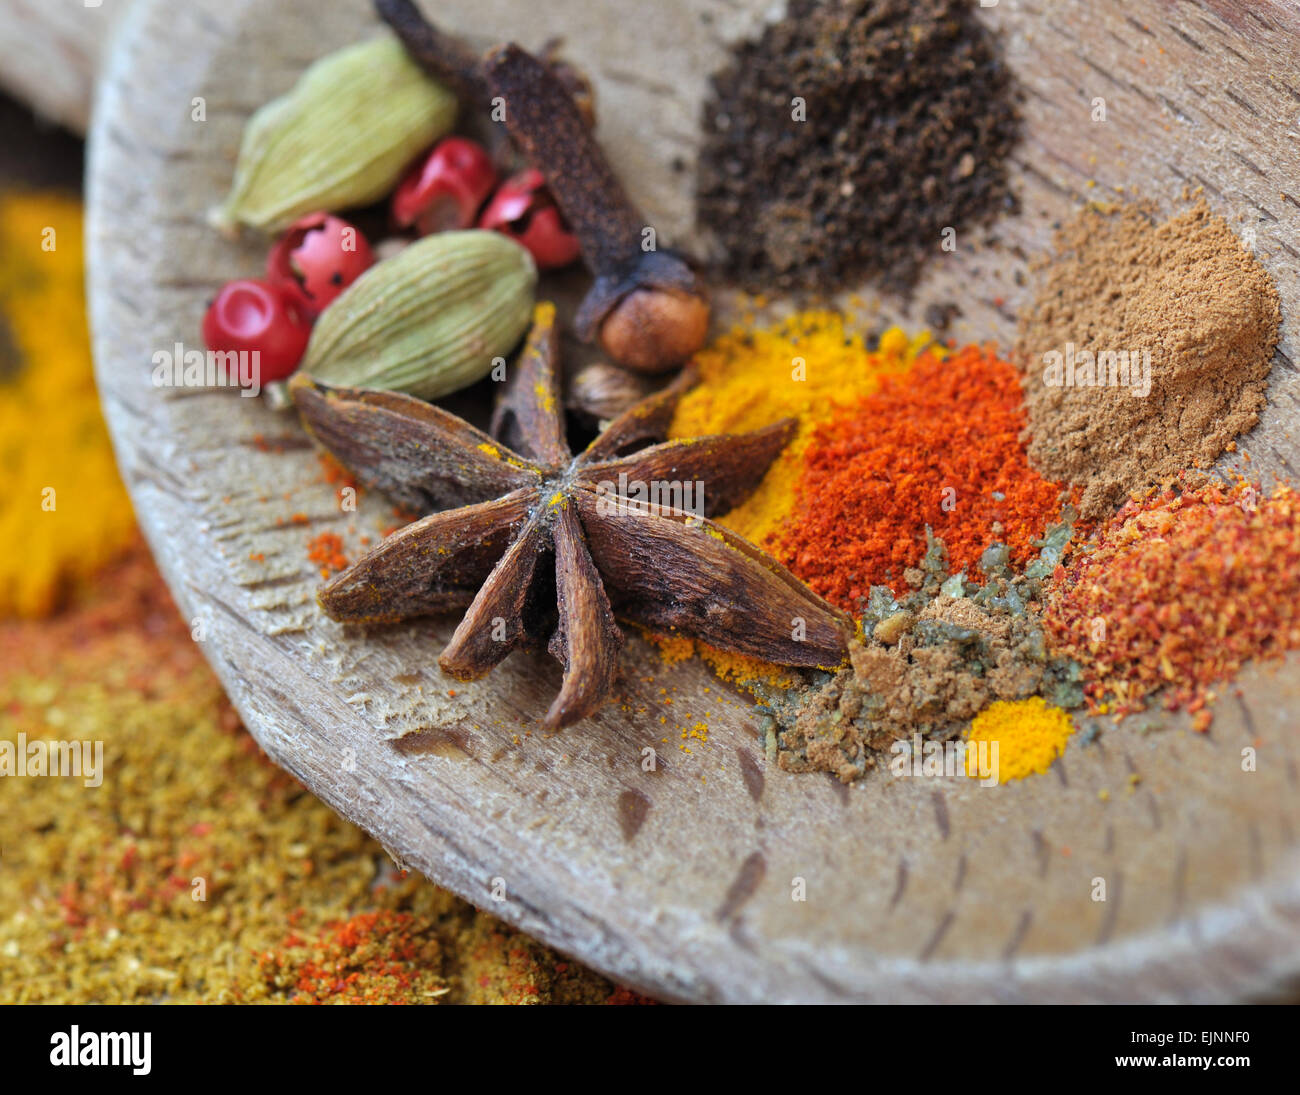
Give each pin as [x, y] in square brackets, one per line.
[932, 660]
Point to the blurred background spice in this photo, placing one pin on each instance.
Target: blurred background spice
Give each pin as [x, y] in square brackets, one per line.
[51, 433]
[97, 891]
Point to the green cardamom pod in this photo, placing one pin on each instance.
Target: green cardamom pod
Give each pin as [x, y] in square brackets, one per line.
[342, 136]
[428, 321]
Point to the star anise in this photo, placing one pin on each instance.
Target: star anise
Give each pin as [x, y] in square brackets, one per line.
[538, 541]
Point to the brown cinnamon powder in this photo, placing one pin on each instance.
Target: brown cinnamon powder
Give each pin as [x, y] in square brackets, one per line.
[1146, 352]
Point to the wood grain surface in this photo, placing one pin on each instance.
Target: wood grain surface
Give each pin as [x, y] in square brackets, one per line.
[50, 53]
[681, 880]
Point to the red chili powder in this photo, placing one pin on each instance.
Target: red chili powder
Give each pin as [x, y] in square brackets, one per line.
[939, 445]
[326, 551]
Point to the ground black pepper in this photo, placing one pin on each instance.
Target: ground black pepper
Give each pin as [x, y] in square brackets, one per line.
[909, 117]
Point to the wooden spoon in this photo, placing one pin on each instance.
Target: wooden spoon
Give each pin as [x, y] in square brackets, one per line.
[716, 876]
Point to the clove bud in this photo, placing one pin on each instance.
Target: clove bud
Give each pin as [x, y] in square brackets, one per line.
[646, 307]
[454, 63]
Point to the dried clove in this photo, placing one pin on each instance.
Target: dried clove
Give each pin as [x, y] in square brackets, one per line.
[446, 58]
[647, 308]
[453, 62]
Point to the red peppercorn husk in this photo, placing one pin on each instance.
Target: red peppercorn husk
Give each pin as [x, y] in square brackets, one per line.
[446, 190]
[318, 257]
[261, 318]
[523, 209]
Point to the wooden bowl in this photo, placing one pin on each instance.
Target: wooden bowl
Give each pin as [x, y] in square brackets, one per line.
[681, 881]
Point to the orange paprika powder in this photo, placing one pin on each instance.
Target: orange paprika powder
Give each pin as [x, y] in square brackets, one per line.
[937, 446]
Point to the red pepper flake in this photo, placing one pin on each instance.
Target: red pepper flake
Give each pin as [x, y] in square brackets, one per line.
[1180, 590]
[381, 957]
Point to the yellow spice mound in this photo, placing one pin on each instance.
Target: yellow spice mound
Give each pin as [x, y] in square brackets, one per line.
[807, 367]
[63, 501]
[1030, 735]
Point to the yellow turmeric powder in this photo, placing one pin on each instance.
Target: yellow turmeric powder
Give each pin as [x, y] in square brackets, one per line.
[63, 502]
[746, 671]
[1030, 734]
[674, 648]
[807, 367]
[740, 669]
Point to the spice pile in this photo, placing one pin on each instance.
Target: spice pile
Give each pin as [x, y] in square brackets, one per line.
[63, 500]
[938, 448]
[807, 366]
[921, 496]
[1178, 591]
[929, 662]
[100, 891]
[892, 441]
[1184, 299]
[841, 144]
[1030, 734]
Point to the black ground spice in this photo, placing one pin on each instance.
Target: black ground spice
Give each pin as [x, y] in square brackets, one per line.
[909, 115]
